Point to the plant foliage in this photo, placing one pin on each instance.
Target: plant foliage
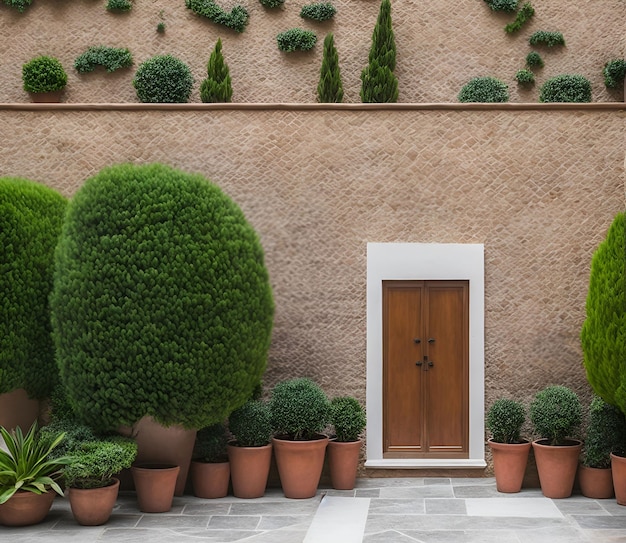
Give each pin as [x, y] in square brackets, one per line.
[111, 58]
[43, 74]
[318, 11]
[31, 216]
[217, 86]
[347, 417]
[237, 19]
[614, 72]
[505, 419]
[544, 37]
[484, 89]
[211, 442]
[566, 88]
[606, 433]
[502, 5]
[119, 5]
[603, 335]
[329, 88]
[251, 424]
[296, 39]
[161, 303]
[523, 16]
[299, 409]
[272, 3]
[383, 48]
[555, 413]
[163, 79]
[534, 60]
[19, 5]
[525, 77]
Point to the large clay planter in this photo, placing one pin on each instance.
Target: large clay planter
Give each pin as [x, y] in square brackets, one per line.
[300, 465]
[17, 409]
[343, 460]
[509, 464]
[157, 444]
[26, 508]
[210, 479]
[557, 465]
[618, 467]
[155, 484]
[249, 469]
[93, 506]
[595, 483]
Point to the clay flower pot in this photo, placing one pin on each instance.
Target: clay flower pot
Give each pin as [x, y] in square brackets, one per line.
[618, 468]
[93, 506]
[509, 464]
[596, 483]
[26, 508]
[343, 460]
[210, 479]
[155, 484]
[17, 409]
[557, 465]
[249, 469]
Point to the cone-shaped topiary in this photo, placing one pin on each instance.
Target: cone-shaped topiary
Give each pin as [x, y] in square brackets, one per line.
[217, 86]
[383, 48]
[161, 303]
[603, 334]
[330, 89]
[31, 216]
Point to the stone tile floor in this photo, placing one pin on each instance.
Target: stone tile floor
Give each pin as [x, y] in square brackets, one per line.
[429, 510]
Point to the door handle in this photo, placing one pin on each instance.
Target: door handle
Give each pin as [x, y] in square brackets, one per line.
[428, 363]
[418, 363]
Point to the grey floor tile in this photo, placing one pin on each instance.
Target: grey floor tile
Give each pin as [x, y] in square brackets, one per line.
[396, 483]
[173, 522]
[477, 491]
[276, 522]
[580, 507]
[340, 493]
[293, 507]
[587, 522]
[417, 492]
[467, 536]
[445, 506]
[437, 481]
[564, 534]
[612, 507]
[278, 536]
[605, 536]
[397, 507]
[367, 493]
[231, 522]
[388, 536]
[205, 509]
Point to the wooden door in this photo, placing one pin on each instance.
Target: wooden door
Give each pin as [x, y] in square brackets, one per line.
[425, 369]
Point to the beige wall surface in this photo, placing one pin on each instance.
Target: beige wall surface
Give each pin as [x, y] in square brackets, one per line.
[538, 187]
[440, 46]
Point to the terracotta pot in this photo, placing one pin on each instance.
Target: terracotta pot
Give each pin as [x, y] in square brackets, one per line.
[596, 483]
[26, 508]
[93, 506]
[557, 465]
[210, 480]
[17, 409]
[50, 97]
[155, 484]
[300, 465]
[618, 467]
[509, 464]
[249, 469]
[343, 460]
[157, 444]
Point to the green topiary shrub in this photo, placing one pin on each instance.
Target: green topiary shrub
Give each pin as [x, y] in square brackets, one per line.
[163, 79]
[237, 19]
[119, 5]
[550, 39]
[525, 77]
[505, 419]
[614, 72]
[19, 5]
[217, 86]
[299, 409]
[606, 433]
[43, 74]
[329, 88]
[31, 216]
[318, 11]
[534, 60]
[251, 424]
[523, 16]
[161, 304]
[555, 413]
[272, 3]
[211, 442]
[296, 39]
[502, 5]
[161, 27]
[110, 57]
[566, 88]
[603, 334]
[484, 89]
[347, 417]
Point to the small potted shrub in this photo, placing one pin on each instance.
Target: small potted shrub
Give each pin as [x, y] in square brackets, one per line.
[210, 470]
[555, 413]
[614, 72]
[44, 78]
[299, 411]
[510, 452]
[484, 89]
[566, 88]
[348, 421]
[250, 453]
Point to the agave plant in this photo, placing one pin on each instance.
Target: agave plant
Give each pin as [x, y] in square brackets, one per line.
[27, 465]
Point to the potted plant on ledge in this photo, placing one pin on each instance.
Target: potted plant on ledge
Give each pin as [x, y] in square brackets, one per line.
[509, 451]
[44, 78]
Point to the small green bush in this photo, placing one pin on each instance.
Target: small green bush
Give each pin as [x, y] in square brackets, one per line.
[318, 11]
[119, 5]
[484, 89]
[110, 57]
[614, 72]
[347, 417]
[237, 19]
[161, 27]
[211, 442]
[505, 419]
[43, 74]
[299, 409]
[19, 5]
[525, 77]
[217, 86]
[606, 433]
[163, 79]
[75, 435]
[534, 60]
[329, 88]
[566, 88]
[272, 3]
[550, 39]
[502, 5]
[523, 16]
[296, 39]
[555, 413]
[251, 424]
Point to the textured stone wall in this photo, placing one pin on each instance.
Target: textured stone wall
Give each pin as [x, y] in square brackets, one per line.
[441, 45]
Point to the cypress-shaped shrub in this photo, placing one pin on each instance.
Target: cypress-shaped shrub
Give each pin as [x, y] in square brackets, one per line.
[318, 11]
[217, 86]
[383, 48]
[161, 303]
[112, 58]
[163, 79]
[329, 88]
[614, 72]
[566, 88]
[603, 334]
[31, 216]
[484, 89]
[296, 39]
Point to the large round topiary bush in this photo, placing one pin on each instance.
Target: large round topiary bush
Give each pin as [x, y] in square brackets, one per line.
[31, 216]
[163, 79]
[566, 88]
[484, 89]
[555, 413]
[161, 304]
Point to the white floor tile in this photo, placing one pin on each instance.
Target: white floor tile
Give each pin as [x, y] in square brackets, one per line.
[339, 520]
